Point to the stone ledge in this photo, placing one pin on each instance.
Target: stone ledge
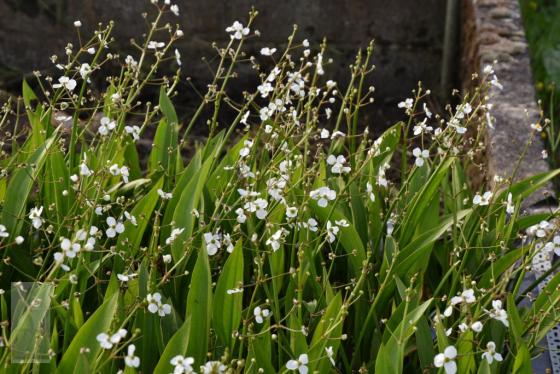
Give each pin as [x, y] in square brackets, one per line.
[492, 30]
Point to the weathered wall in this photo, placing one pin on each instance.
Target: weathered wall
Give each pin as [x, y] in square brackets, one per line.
[493, 31]
[408, 33]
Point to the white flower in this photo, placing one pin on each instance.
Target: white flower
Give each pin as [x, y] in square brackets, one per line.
[85, 70]
[65, 82]
[130, 61]
[226, 240]
[320, 70]
[447, 360]
[103, 340]
[325, 134]
[482, 200]
[174, 9]
[537, 127]
[330, 355]
[420, 155]
[152, 44]
[125, 277]
[369, 190]
[494, 82]
[311, 224]
[178, 57]
[510, 208]
[275, 241]
[488, 69]
[407, 105]
[422, 127]
[174, 234]
[3, 232]
[291, 212]
[213, 242]
[131, 360]
[69, 249]
[164, 195]
[167, 259]
[114, 170]
[115, 227]
[237, 31]
[35, 217]
[258, 206]
[463, 110]
[124, 174]
[84, 170]
[265, 89]
[553, 246]
[467, 296]
[498, 313]
[107, 342]
[332, 231]
[260, 314]
[91, 50]
[182, 364]
[267, 51]
[490, 355]
[213, 367]
[244, 152]
[106, 126]
[540, 230]
[300, 364]
[134, 131]
[156, 306]
[234, 291]
[77, 23]
[477, 326]
[322, 195]
[241, 217]
[245, 117]
[427, 111]
[19, 239]
[337, 163]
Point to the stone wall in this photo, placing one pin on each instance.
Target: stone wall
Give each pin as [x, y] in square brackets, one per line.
[493, 31]
[408, 33]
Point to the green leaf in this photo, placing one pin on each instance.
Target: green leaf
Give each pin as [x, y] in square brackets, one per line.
[99, 322]
[177, 345]
[131, 238]
[498, 267]
[422, 200]
[228, 307]
[199, 307]
[19, 188]
[522, 363]
[347, 236]
[183, 216]
[327, 334]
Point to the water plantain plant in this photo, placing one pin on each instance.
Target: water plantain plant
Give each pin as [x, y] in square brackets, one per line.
[291, 240]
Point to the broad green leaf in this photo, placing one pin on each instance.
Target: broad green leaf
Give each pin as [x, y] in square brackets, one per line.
[347, 236]
[183, 215]
[423, 198]
[199, 307]
[130, 239]
[522, 363]
[177, 345]
[327, 335]
[99, 322]
[19, 188]
[227, 307]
